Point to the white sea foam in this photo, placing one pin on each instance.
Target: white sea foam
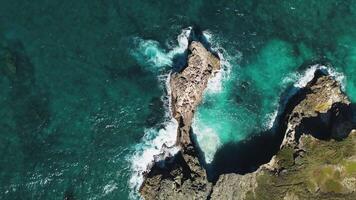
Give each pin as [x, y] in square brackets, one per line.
[153, 144]
[109, 188]
[207, 137]
[271, 118]
[150, 53]
[300, 80]
[156, 144]
[308, 75]
[215, 83]
[183, 42]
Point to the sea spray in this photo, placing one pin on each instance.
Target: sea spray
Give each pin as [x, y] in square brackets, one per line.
[156, 143]
[151, 54]
[206, 134]
[308, 75]
[151, 146]
[300, 80]
[215, 83]
[146, 152]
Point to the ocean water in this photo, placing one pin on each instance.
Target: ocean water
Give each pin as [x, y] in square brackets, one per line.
[83, 94]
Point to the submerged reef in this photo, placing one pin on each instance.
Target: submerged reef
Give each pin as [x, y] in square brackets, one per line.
[316, 158]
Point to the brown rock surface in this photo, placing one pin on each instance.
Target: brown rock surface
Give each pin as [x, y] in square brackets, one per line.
[182, 177]
[319, 108]
[318, 112]
[323, 106]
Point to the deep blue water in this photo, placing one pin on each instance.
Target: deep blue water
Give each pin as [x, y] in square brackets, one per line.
[82, 82]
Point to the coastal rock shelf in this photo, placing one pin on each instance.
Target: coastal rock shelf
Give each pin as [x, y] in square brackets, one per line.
[316, 157]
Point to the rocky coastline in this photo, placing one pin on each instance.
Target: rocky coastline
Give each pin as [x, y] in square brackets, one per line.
[183, 177]
[317, 124]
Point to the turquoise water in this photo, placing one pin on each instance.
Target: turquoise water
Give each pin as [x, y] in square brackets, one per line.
[82, 84]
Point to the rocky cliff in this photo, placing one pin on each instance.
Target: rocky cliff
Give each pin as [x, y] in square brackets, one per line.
[316, 160]
[322, 111]
[182, 177]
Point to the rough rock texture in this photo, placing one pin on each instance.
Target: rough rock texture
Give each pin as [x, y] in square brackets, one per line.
[187, 88]
[182, 177]
[234, 186]
[305, 167]
[326, 170]
[316, 160]
[324, 111]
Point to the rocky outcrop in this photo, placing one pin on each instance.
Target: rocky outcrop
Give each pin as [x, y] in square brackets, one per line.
[324, 111]
[305, 167]
[316, 159]
[182, 177]
[187, 88]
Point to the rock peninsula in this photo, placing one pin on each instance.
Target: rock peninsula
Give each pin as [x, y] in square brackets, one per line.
[316, 160]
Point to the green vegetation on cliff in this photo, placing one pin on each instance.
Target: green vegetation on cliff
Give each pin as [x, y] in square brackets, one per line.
[325, 170]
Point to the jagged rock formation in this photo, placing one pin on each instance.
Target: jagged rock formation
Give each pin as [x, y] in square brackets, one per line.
[316, 159]
[305, 167]
[324, 111]
[187, 90]
[182, 177]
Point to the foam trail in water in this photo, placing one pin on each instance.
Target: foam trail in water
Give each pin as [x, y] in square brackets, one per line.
[152, 145]
[207, 137]
[150, 53]
[271, 118]
[156, 143]
[183, 42]
[215, 83]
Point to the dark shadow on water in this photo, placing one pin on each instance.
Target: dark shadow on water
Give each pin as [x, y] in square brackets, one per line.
[156, 112]
[245, 156]
[69, 194]
[197, 35]
[180, 61]
[249, 154]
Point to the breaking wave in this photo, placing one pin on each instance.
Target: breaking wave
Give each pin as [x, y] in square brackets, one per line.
[300, 80]
[207, 136]
[156, 144]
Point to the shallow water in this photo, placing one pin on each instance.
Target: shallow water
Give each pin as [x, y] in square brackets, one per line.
[82, 82]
